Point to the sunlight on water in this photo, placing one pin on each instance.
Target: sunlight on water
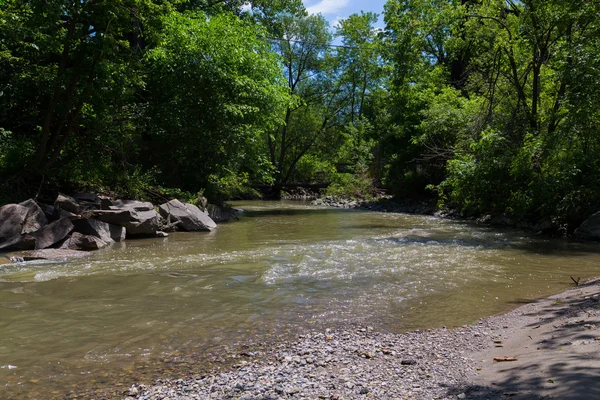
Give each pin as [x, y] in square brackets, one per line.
[283, 266]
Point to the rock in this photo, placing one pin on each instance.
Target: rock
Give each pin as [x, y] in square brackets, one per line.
[36, 219]
[188, 216]
[89, 201]
[105, 202]
[132, 205]
[47, 254]
[501, 220]
[135, 222]
[78, 241]
[203, 202]
[590, 229]
[106, 232]
[48, 235]
[161, 234]
[68, 203]
[217, 214]
[12, 220]
[48, 210]
[4, 260]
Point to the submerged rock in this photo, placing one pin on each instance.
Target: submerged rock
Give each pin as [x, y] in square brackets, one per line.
[47, 254]
[188, 216]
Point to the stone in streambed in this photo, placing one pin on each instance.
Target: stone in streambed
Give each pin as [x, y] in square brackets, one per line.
[47, 254]
[188, 216]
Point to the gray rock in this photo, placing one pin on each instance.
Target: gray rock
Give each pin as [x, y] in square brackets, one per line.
[132, 205]
[105, 202]
[135, 222]
[78, 241]
[12, 220]
[48, 210]
[48, 235]
[68, 203]
[47, 254]
[36, 219]
[103, 230]
[188, 216]
[590, 229]
[218, 214]
[89, 201]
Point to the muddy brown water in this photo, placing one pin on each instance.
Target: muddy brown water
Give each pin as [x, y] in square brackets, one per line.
[159, 307]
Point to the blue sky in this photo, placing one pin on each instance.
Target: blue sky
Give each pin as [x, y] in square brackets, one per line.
[334, 10]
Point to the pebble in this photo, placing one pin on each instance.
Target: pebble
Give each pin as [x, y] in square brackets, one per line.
[332, 364]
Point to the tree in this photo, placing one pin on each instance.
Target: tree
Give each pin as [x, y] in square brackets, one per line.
[317, 99]
[213, 87]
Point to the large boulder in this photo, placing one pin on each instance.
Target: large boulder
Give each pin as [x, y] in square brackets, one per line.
[131, 205]
[102, 230]
[48, 235]
[68, 203]
[12, 220]
[88, 201]
[590, 229]
[135, 222]
[78, 241]
[188, 216]
[218, 214]
[36, 219]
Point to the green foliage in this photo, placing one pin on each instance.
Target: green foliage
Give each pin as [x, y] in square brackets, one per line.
[230, 187]
[213, 88]
[351, 186]
[493, 102]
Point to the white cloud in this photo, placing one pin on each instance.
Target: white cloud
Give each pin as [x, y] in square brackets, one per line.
[335, 23]
[327, 6]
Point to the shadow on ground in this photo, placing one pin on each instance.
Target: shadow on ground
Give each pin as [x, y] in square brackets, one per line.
[568, 366]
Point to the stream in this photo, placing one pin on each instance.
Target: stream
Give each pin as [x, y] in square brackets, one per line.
[160, 307]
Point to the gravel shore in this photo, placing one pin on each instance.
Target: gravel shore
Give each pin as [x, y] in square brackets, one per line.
[360, 363]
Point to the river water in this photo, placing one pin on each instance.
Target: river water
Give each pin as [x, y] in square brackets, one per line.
[153, 307]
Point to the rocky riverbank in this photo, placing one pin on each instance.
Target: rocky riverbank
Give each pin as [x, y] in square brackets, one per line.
[74, 225]
[549, 348]
[588, 230]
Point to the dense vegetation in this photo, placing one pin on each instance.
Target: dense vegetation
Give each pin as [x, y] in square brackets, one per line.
[491, 105]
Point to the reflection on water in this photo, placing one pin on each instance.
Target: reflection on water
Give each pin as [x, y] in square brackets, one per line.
[283, 266]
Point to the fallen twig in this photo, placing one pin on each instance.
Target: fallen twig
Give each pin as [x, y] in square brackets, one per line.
[576, 281]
